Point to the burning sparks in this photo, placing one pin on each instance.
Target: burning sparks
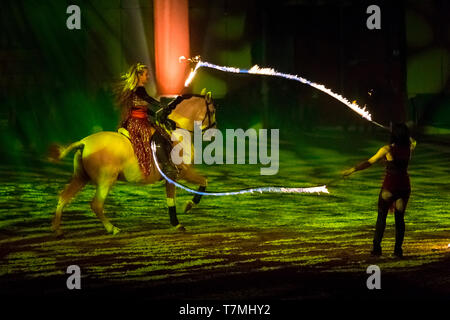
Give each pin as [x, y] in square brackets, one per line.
[320, 189]
[271, 72]
[209, 65]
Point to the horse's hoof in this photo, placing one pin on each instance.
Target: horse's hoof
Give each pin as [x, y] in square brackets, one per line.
[59, 234]
[189, 205]
[180, 228]
[115, 231]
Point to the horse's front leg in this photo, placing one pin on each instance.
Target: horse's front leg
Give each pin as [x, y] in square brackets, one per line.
[192, 176]
[170, 197]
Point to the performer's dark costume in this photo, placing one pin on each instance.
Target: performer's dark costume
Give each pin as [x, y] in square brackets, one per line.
[397, 182]
[140, 129]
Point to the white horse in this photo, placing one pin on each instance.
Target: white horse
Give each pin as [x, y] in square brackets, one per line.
[105, 157]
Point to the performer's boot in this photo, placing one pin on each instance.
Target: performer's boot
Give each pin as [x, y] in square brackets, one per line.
[376, 251]
[399, 233]
[163, 149]
[383, 207]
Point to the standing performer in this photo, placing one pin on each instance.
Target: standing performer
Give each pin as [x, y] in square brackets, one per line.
[396, 187]
[134, 103]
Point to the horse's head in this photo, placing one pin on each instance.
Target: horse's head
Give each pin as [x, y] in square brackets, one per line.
[194, 107]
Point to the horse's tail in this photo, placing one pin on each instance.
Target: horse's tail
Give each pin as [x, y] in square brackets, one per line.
[57, 152]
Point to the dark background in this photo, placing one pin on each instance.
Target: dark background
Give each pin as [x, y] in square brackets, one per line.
[55, 83]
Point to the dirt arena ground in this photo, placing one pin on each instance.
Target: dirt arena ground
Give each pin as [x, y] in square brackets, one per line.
[278, 247]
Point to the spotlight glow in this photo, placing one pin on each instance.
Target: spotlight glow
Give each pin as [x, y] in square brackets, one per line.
[171, 36]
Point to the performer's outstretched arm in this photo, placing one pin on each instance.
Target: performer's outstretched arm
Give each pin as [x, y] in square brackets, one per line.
[366, 164]
[412, 144]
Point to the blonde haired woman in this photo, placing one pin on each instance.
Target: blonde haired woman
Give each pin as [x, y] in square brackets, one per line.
[135, 106]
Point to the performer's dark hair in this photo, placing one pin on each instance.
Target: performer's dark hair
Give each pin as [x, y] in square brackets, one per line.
[400, 134]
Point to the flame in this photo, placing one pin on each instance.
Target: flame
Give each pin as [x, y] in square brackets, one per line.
[190, 77]
[256, 69]
[352, 105]
[271, 72]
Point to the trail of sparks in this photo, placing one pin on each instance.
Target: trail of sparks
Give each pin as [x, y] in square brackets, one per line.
[319, 189]
[271, 72]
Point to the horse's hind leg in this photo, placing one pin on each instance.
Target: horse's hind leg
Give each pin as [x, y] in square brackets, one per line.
[170, 197]
[76, 184]
[192, 176]
[98, 202]
[78, 181]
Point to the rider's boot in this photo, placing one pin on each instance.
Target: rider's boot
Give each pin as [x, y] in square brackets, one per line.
[163, 149]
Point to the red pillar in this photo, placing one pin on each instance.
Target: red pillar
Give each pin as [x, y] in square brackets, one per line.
[171, 19]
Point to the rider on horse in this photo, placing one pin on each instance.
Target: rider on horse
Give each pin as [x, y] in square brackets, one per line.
[136, 105]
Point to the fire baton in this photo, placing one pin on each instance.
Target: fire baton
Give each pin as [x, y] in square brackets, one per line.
[271, 72]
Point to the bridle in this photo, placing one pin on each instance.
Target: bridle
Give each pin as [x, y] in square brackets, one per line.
[208, 112]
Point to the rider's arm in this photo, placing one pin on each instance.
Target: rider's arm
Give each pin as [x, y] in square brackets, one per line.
[154, 104]
[366, 164]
